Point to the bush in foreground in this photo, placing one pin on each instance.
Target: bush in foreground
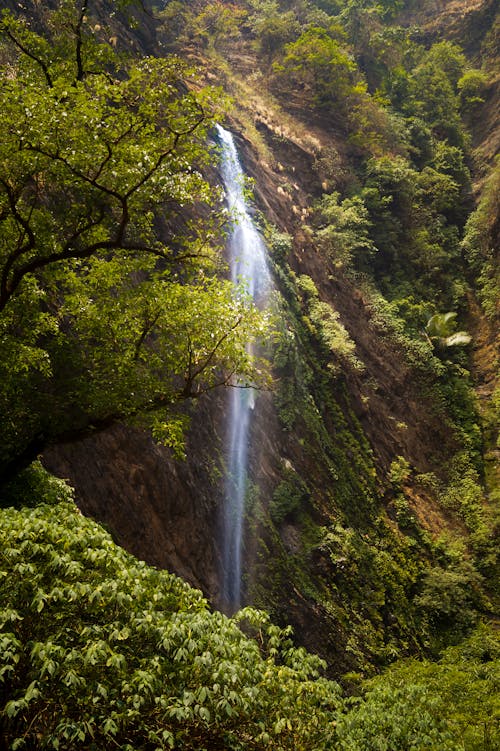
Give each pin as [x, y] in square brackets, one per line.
[101, 651]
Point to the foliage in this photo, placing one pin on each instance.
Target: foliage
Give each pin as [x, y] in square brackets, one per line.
[122, 329]
[432, 93]
[272, 26]
[399, 471]
[440, 329]
[414, 220]
[289, 496]
[396, 109]
[211, 24]
[465, 495]
[450, 597]
[374, 576]
[450, 704]
[325, 323]
[450, 58]
[109, 305]
[100, 651]
[278, 243]
[342, 230]
[472, 88]
[218, 21]
[319, 64]
[34, 484]
[396, 720]
[480, 247]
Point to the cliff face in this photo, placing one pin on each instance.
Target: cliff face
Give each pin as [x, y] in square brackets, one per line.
[162, 511]
[386, 393]
[324, 466]
[333, 544]
[467, 22]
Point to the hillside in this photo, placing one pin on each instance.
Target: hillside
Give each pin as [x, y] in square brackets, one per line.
[376, 434]
[369, 133]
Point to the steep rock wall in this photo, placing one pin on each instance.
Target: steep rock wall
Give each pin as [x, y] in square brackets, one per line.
[322, 529]
[164, 511]
[324, 466]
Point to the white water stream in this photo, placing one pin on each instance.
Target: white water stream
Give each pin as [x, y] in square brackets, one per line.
[248, 264]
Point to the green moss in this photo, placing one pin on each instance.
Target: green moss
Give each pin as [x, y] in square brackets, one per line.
[289, 496]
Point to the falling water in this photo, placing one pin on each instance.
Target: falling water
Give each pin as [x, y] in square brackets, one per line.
[247, 259]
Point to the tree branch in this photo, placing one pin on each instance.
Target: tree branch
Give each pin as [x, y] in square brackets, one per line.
[8, 287]
[32, 56]
[194, 374]
[80, 70]
[94, 425]
[147, 328]
[22, 247]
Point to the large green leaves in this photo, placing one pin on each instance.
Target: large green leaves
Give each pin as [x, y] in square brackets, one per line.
[440, 329]
[101, 651]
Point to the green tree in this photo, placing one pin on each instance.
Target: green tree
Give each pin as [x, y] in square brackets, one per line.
[272, 26]
[472, 89]
[481, 247]
[318, 63]
[450, 58]
[433, 98]
[416, 217]
[343, 229]
[217, 22]
[443, 706]
[389, 195]
[109, 303]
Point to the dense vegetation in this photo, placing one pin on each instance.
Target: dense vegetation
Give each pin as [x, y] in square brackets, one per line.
[113, 308]
[101, 651]
[395, 222]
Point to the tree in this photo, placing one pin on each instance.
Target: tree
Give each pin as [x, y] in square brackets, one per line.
[449, 58]
[318, 63]
[472, 88]
[272, 26]
[437, 706]
[342, 229]
[481, 245]
[109, 303]
[218, 22]
[432, 98]
[389, 195]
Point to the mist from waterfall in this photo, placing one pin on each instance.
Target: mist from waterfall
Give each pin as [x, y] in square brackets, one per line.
[248, 265]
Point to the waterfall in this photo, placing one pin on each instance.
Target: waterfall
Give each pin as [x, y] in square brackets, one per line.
[248, 265]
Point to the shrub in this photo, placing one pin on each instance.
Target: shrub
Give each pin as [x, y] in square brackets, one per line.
[288, 497]
[101, 651]
[444, 706]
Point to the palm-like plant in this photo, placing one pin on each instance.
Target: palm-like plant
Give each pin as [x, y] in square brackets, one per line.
[440, 330]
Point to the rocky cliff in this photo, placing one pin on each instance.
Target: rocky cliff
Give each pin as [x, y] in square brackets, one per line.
[336, 543]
